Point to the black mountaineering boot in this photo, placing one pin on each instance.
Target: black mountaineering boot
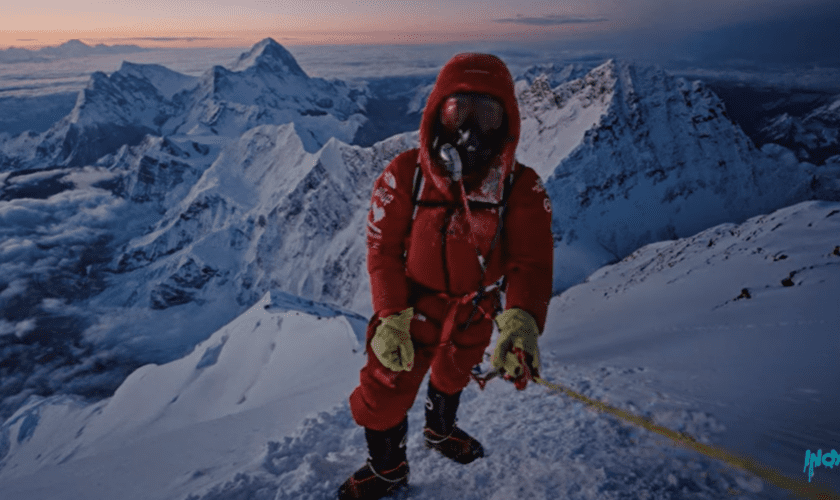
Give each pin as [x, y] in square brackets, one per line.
[385, 472]
[442, 434]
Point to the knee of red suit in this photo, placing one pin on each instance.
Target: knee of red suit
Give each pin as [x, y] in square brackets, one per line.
[383, 396]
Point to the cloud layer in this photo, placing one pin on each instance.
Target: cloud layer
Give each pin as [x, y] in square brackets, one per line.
[550, 20]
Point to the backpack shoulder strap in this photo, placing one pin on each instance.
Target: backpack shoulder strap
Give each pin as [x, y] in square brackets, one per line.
[416, 183]
[416, 187]
[514, 174]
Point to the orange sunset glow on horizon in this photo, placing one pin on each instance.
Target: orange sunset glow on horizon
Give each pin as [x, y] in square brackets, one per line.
[243, 38]
[240, 23]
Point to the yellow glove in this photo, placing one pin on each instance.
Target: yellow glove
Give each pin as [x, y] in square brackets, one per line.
[392, 341]
[517, 330]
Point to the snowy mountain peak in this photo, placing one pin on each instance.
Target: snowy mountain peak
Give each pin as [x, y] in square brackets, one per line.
[556, 73]
[74, 44]
[266, 86]
[617, 145]
[165, 80]
[271, 56]
[555, 121]
[814, 137]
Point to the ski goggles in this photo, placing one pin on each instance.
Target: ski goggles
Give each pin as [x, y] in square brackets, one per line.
[483, 109]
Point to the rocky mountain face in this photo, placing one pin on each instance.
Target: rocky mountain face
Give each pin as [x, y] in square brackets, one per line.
[813, 136]
[556, 74]
[802, 120]
[258, 219]
[631, 155]
[111, 111]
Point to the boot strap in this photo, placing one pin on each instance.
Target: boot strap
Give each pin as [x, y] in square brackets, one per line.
[380, 476]
[436, 434]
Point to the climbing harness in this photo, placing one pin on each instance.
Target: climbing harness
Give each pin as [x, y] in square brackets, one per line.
[451, 156]
[796, 486]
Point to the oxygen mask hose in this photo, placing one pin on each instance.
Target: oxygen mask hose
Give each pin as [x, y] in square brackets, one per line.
[452, 161]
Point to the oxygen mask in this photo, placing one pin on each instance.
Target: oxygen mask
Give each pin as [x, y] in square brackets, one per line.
[471, 125]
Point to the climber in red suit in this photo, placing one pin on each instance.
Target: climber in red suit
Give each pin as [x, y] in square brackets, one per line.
[451, 223]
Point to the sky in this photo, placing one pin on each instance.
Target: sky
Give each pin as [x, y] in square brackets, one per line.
[240, 23]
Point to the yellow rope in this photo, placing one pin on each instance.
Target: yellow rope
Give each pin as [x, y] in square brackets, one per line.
[797, 486]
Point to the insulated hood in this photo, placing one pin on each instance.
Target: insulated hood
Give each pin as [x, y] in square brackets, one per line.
[469, 72]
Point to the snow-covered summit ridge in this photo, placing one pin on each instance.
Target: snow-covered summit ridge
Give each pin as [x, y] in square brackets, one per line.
[111, 111]
[557, 74]
[165, 80]
[554, 121]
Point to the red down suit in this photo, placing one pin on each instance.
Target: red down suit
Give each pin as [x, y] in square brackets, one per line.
[422, 251]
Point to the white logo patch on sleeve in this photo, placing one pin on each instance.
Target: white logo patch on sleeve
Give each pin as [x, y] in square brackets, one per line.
[390, 180]
[378, 212]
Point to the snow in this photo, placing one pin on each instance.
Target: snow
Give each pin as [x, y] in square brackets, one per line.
[259, 409]
[744, 359]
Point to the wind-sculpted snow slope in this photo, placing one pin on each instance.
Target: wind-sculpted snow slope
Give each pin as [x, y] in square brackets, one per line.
[741, 318]
[632, 155]
[538, 446]
[256, 366]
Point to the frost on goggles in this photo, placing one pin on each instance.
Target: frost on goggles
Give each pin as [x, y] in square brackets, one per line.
[485, 110]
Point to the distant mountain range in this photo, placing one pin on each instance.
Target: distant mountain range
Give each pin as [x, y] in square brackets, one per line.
[805, 121]
[71, 48]
[265, 86]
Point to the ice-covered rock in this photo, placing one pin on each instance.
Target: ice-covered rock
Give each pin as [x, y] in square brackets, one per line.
[631, 155]
[813, 136]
